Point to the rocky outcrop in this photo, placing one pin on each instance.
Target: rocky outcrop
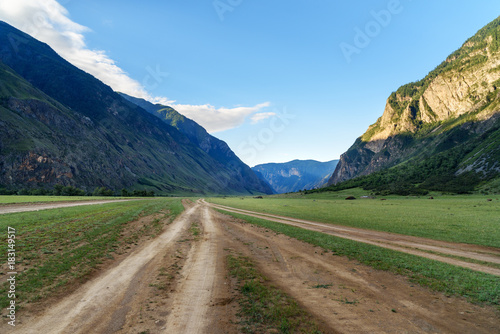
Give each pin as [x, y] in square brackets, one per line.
[462, 92]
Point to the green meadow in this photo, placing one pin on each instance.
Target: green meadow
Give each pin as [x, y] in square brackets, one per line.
[465, 218]
[56, 248]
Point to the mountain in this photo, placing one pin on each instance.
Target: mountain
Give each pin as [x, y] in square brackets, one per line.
[60, 125]
[440, 133]
[214, 147]
[296, 175]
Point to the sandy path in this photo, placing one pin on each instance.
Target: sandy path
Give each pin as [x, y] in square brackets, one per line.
[407, 244]
[25, 207]
[98, 298]
[192, 300]
[347, 297]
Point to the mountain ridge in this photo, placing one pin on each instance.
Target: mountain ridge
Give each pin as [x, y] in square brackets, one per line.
[60, 125]
[451, 106]
[214, 147]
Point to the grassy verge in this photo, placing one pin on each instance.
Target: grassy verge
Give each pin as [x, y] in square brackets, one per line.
[14, 199]
[467, 219]
[55, 248]
[452, 280]
[264, 308]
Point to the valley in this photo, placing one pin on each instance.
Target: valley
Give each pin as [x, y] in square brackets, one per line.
[125, 211]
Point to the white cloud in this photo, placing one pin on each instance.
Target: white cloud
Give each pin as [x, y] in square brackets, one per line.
[49, 22]
[256, 118]
[218, 119]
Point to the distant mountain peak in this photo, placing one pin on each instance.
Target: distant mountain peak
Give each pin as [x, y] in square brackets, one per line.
[296, 175]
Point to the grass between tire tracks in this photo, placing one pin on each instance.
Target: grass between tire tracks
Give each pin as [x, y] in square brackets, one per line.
[264, 307]
[55, 248]
[477, 287]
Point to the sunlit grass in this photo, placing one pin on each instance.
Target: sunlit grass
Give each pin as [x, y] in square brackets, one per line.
[467, 219]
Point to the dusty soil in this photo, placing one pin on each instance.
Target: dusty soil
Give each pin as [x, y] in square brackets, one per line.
[25, 207]
[178, 283]
[407, 244]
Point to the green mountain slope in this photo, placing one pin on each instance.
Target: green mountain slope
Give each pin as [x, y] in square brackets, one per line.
[296, 175]
[439, 132]
[60, 125]
[214, 147]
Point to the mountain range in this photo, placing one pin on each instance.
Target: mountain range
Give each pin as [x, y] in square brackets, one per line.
[296, 175]
[60, 125]
[440, 133]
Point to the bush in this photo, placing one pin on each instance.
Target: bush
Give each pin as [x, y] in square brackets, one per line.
[103, 191]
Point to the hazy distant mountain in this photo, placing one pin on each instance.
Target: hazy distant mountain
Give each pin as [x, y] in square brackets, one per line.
[60, 125]
[296, 175]
[213, 146]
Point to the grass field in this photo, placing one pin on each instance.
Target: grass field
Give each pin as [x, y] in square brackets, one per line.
[36, 199]
[467, 219]
[452, 280]
[55, 248]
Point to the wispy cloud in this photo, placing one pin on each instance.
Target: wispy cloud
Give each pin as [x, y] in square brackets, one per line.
[218, 119]
[256, 118]
[49, 22]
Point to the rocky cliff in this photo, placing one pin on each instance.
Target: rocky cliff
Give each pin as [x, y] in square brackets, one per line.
[452, 105]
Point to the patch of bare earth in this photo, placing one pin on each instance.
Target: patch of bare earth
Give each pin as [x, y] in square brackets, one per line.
[351, 298]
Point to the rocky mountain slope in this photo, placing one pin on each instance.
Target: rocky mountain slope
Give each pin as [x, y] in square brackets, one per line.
[451, 115]
[214, 147]
[60, 125]
[296, 175]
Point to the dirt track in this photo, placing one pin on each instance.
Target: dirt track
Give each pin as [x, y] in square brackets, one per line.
[178, 283]
[25, 207]
[407, 244]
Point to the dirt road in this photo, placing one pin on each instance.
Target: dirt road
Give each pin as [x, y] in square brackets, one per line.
[407, 244]
[25, 207]
[179, 283]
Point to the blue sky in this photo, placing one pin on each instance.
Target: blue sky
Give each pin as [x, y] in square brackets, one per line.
[271, 78]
